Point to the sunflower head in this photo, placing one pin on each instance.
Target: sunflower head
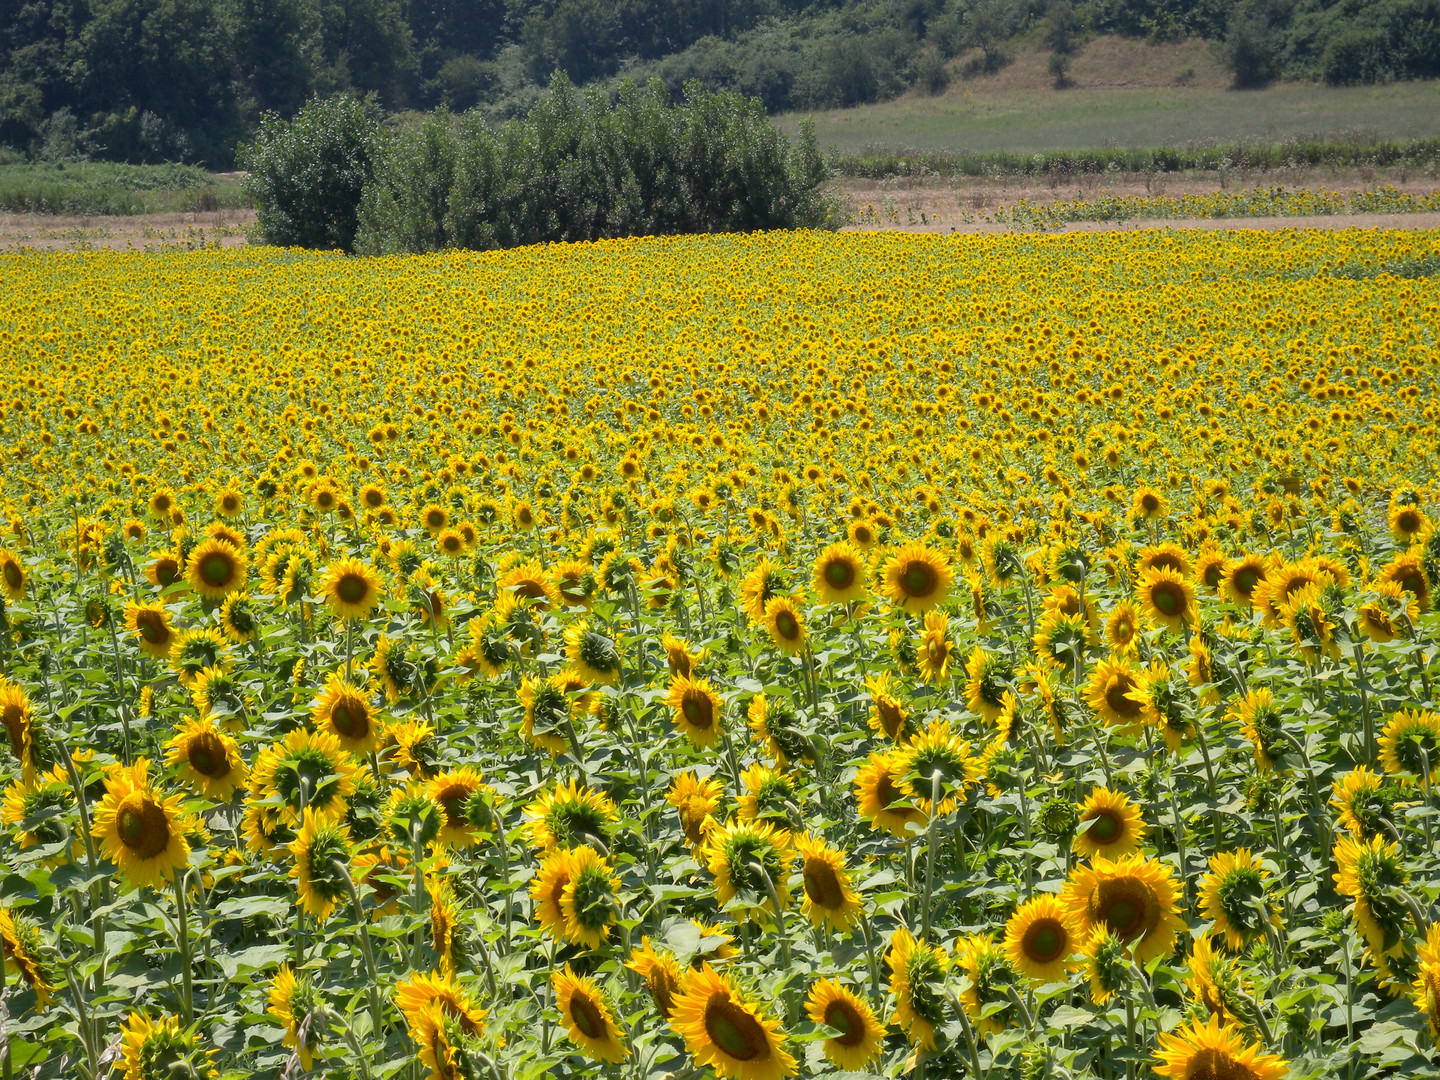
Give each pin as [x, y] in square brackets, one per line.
[1410, 746]
[589, 901]
[917, 578]
[751, 864]
[1109, 825]
[726, 1030]
[1234, 896]
[1196, 1051]
[159, 1050]
[858, 1035]
[321, 850]
[590, 1024]
[937, 760]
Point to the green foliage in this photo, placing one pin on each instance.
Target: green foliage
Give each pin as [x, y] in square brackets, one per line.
[87, 188]
[307, 175]
[578, 168]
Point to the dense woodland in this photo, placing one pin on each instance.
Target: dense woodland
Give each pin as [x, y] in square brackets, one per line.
[155, 80]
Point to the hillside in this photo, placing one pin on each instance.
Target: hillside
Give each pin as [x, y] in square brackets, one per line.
[185, 80]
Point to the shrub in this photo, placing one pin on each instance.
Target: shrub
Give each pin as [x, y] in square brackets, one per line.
[307, 176]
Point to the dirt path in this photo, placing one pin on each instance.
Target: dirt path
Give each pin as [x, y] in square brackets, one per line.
[1327, 221]
[179, 232]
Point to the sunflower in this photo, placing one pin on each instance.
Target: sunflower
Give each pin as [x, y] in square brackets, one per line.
[695, 710]
[695, 801]
[785, 624]
[937, 754]
[917, 578]
[590, 1024]
[1061, 639]
[888, 715]
[762, 584]
[1199, 1051]
[1410, 743]
[1039, 941]
[839, 575]
[1390, 613]
[1167, 597]
[989, 684]
[1132, 896]
[1110, 825]
[1123, 628]
[307, 771]
[859, 1036]
[1107, 964]
[196, 650]
[140, 832]
[1233, 897]
[341, 710]
[215, 569]
[421, 992]
[1371, 872]
[206, 759]
[17, 716]
[292, 1001]
[1284, 582]
[1261, 722]
[661, 972]
[829, 899]
[1209, 977]
[1408, 572]
[736, 853]
[321, 850]
[679, 658]
[546, 713]
[157, 1050]
[351, 589]
[24, 952]
[453, 791]
[588, 902]
[593, 656]
[12, 575]
[547, 889]
[722, 1028]
[1426, 987]
[769, 796]
[150, 623]
[1364, 802]
[933, 653]
[880, 794]
[36, 805]
[983, 961]
[917, 979]
[1408, 524]
[165, 569]
[238, 617]
[570, 814]
[1243, 577]
[1148, 504]
[1111, 693]
[1210, 570]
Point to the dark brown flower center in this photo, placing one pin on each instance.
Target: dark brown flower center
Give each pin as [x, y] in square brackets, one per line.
[735, 1031]
[1045, 941]
[841, 1016]
[206, 754]
[822, 885]
[143, 826]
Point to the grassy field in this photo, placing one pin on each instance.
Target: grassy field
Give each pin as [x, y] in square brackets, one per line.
[1133, 99]
[107, 188]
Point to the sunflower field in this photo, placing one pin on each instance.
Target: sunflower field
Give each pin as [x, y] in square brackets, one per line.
[793, 654]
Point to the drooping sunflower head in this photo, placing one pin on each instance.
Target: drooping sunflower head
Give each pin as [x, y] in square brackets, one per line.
[412, 816]
[661, 972]
[568, 815]
[1364, 801]
[321, 850]
[1262, 722]
[770, 796]
[589, 902]
[25, 947]
[984, 963]
[308, 770]
[546, 713]
[881, 797]
[937, 760]
[989, 684]
[1234, 896]
[161, 1049]
[1410, 746]
[695, 801]
[593, 655]
[1107, 964]
[751, 864]
[917, 980]
[1372, 874]
[294, 1001]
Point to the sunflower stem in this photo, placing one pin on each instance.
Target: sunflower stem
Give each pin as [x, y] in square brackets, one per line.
[349, 645]
[870, 956]
[970, 1046]
[930, 855]
[182, 939]
[6, 1066]
[371, 974]
[759, 868]
[1363, 682]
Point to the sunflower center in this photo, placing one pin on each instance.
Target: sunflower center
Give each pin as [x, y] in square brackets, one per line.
[216, 569]
[1104, 828]
[1213, 1064]
[351, 588]
[697, 711]
[839, 575]
[585, 1016]
[735, 1031]
[349, 718]
[1116, 696]
[1246, 580]
[891, 717]
[918, 579]
[1149, 503]
[787, 626]
[1168, 599]
[841, 1016]
[1124, 908]
[822, 886]
[151, 628]
[207, 756]
[1044, 941]
[13, 577]
[143, 826]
